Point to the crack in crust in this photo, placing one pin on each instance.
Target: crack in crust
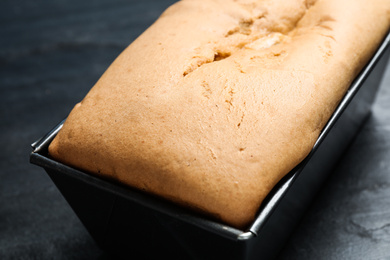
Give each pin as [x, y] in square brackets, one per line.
[198, 61]
[256, 32]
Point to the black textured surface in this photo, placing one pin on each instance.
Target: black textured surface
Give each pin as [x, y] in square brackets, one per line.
[52, 52]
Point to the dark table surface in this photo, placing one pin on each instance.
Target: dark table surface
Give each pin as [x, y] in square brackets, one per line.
[52, 52]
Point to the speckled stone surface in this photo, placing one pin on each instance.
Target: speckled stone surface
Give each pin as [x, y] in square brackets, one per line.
[52, 52]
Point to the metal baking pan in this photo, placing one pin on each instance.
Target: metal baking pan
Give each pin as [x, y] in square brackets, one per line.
[130, 223]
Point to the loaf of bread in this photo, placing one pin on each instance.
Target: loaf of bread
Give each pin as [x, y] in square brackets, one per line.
[219, 99]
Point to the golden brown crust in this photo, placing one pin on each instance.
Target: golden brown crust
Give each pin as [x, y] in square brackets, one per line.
[218, 100]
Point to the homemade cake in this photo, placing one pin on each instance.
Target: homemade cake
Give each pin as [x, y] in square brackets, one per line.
[219, 99]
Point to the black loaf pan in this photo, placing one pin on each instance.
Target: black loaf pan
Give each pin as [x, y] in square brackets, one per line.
[127, 222]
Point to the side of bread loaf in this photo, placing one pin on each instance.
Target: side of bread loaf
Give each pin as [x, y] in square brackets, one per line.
[219, 99]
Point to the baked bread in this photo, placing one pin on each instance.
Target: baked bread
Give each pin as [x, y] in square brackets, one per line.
[219, 99]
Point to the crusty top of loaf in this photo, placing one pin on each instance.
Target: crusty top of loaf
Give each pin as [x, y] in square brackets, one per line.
[219, 99]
